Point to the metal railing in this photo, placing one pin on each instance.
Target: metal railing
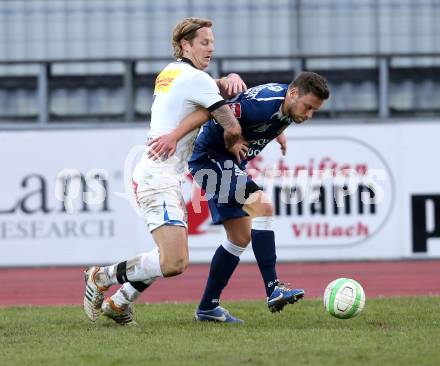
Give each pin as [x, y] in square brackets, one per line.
[301, 61]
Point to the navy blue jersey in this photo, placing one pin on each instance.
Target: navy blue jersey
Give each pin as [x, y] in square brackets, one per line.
[258, 110]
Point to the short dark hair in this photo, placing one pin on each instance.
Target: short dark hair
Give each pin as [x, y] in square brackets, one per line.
[310, 82]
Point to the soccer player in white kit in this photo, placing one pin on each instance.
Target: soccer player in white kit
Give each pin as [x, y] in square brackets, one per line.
[181, 88]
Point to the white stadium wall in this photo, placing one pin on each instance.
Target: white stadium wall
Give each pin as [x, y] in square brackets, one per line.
[343, 192]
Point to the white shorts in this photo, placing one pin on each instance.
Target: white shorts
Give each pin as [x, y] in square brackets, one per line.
[158, 193]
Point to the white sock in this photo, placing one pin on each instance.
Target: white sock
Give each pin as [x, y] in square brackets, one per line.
[145, 269]
[127, 294]
[263, 223]
[232, 248]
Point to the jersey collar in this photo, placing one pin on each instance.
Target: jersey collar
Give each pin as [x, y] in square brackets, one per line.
[188, 61]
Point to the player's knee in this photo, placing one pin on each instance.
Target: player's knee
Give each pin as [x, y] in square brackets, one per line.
[241, 240]
[265, 209]
[174, 267]
[258, 204]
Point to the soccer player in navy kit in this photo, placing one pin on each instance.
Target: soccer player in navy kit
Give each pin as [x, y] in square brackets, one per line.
[235, 200]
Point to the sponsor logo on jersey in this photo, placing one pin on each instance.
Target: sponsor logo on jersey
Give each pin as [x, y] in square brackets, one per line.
[165, 80]
[236, 109]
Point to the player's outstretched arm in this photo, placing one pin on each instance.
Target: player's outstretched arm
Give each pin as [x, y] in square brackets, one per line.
[165, 145]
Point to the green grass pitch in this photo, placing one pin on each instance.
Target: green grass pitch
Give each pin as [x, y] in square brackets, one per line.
[390, 331]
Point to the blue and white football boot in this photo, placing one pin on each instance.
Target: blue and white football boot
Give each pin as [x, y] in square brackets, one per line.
[217, 314]
[283, 295]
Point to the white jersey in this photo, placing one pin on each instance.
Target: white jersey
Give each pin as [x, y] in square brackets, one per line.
[180, 89]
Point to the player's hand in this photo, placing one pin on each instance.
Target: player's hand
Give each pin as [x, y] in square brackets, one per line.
[162, 146]
[239, 150]
[232, 85]
[282, 140]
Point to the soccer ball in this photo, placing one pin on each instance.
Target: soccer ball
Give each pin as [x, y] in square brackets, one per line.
[344, 298]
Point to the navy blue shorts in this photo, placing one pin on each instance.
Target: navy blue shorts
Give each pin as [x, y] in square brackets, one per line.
[226, 186]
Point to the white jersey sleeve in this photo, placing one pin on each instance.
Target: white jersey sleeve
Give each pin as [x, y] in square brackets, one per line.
[204, 92]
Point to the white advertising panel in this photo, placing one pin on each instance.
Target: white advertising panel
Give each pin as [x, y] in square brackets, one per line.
[53, 206]
[342, 192]
[420, 180]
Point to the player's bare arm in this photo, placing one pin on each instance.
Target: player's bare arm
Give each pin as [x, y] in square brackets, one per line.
[234, 142]
[165, 145]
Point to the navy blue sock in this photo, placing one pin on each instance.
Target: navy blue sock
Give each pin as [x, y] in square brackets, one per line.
[223, 265]
[263, 245]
